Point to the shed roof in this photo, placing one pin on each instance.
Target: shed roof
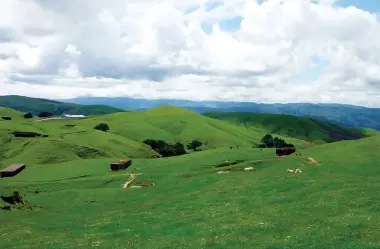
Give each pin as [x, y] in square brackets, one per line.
[74, 116]
[286, 148]
[13, 167]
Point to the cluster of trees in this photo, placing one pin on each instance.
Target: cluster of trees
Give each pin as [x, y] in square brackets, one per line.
[28, 115]
[269, 142]
[165, 149]
[45, 114]
[40, 115]
[102, 127]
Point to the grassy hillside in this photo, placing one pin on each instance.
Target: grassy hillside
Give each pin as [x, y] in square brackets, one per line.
[124, 139]
[175, 124]
[308, 129]
[36, 105]
[78, 203]
[328, 206]
[16, 115]
[129, 129]
[350, 156]
[63, 144]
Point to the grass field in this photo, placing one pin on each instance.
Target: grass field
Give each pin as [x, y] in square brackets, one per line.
[333, 203]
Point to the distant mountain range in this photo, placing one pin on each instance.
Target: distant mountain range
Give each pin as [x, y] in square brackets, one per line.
[347, 115]
[37, 105]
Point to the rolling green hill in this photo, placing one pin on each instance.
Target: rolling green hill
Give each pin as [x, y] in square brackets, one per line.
[308, 129]
[16, 115]
[37, 105]
[124, 139]
[63, 144]
[174, 124]
[129, 129]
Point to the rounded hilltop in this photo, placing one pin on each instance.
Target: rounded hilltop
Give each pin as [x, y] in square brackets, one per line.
[163, 110]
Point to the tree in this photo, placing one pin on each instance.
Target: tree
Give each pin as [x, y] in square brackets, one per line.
[102, 127]
[194, 145]
[28, 115]
[165, 149]
[278, 142]
[45, 114]
[267, 140]
[179, 149]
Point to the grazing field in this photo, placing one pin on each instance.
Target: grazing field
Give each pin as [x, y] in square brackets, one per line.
[333, 203]
[204, 199]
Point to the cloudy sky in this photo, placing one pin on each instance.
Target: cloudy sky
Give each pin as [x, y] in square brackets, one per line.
[246, 50]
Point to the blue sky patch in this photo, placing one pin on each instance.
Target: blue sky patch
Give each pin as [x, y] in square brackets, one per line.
[207, 28]
[228, 25]
[212, 5]
[192, 9]
[312, 73]
[368, 5]
[231, 25]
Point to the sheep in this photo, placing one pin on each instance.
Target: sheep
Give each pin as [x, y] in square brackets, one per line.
[248, 169]
[221, 172]
[290, 171]
[298, 171]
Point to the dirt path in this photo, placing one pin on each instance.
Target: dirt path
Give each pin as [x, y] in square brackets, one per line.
[312, 161]
[131, 179]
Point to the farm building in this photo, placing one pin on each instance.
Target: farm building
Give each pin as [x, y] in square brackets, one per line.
[27, 134]
[74, 116]
[285, 151]
[6, 118]
[121, 165]
[12, 170]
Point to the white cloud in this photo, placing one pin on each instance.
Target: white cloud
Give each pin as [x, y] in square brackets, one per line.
[72, 50]
[30, 57]
[158, 49]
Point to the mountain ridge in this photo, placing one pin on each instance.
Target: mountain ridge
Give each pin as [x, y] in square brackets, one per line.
[342, 114]
[37, 105]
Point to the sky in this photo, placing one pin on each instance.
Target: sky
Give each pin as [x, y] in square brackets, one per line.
[266, 51]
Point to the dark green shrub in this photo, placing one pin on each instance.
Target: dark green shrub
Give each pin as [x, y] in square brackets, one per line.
[165, 149]
[102, 127]
[28, 115]
[45, 114]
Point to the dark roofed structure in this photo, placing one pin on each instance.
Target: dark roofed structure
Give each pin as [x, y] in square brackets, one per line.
[285, 151]
[12, 170]
[121, 165]
[27, 134]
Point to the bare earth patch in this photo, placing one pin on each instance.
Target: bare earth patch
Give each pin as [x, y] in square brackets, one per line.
[312, 161]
